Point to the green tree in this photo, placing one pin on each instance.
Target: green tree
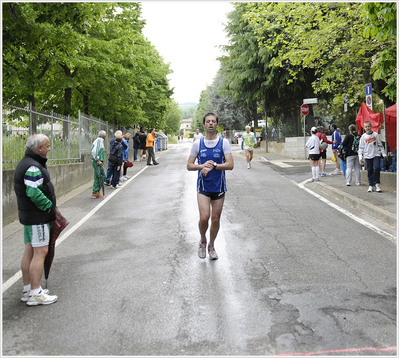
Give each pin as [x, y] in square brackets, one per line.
[381, 26]
[324, 37]
[250, 77]
[231, 115]
[173, 118]
[68, 56]
[204, 106]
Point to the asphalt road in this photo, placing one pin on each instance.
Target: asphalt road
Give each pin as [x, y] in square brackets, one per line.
[294, 275]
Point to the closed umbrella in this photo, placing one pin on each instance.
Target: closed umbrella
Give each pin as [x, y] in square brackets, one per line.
[56, 228]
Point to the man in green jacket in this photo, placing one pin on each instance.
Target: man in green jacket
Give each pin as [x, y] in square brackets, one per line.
[97, 161]
[248, 143]
[36, 209]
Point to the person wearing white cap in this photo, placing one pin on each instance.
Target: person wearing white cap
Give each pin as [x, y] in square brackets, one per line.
[314, 153]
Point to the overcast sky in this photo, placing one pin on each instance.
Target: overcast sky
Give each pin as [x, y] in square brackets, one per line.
[186, 34]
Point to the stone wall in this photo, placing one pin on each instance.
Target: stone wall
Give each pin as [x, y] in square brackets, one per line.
[65, 178]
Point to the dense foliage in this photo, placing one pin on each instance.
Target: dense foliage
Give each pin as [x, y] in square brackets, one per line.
[280, 53]
[87, 56]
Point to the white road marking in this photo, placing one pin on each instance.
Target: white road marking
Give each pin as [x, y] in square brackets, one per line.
[347, 213]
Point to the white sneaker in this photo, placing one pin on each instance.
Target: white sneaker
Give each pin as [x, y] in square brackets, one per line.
[370, 189]
[212, 253]
[202, 250]
[25, 294]
[122, 179]
[249, 166]
[41, 299]
[348, 184]
[377, 187]
[357, 184]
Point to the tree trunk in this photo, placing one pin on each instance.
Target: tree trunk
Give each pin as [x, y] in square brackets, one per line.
[32, 117]
[86, 101]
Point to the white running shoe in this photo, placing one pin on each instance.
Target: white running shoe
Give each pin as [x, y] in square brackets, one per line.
[25, 294]
[377, 187]
[41, 299]
[212, 253]
[202, 250]
[249, 166]
[370, 189]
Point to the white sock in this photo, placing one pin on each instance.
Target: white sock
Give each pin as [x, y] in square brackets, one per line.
[314, 172]
[27, 288]
[35, 291]
[317, 172]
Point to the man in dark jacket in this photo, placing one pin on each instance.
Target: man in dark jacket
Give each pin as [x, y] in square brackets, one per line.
[143, 145]
[36, 209]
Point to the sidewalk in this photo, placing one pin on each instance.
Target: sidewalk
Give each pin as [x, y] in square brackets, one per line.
[378, 205]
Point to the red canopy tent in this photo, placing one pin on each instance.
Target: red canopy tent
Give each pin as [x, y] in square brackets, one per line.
[366, 114]
[376, 119]
[390, 127]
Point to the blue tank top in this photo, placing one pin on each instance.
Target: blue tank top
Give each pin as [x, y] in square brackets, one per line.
[215, 181]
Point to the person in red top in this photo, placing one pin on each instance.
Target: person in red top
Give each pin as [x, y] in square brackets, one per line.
[323, 153]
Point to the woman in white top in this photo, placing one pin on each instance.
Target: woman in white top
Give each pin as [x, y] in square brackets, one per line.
[314, 153]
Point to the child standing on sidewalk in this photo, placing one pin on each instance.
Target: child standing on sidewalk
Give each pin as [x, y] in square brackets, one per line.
[371, 148]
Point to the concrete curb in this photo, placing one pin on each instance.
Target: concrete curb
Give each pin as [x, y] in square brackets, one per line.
[360, 204]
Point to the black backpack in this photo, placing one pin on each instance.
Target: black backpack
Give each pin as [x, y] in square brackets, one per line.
[341, 152]
[113, 157]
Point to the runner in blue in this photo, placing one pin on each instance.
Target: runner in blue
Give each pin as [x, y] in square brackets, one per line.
[214, 157]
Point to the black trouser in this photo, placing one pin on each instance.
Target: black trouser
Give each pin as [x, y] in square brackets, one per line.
[151, 155]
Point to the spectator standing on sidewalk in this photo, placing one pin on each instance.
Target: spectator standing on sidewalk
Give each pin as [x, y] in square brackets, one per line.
[351, 145]
[143, 147]
[371, 148]
[125, 141]
[97, 161]
[323, 153]
[36, 209]
[136, 145]
[151, 138]
[215, 158]
[314, 153]
[342, 159]
[117, 150]
[110, 169]
[336, 138]
[248, 142]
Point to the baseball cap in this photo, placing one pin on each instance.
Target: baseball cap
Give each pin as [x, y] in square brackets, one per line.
[314, 129]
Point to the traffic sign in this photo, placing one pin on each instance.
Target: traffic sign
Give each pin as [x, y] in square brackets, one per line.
[369, 90]
[305, 109]
[309, 100]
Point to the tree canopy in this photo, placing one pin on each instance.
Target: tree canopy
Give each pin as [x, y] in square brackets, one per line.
[280, 53]
[89, 56]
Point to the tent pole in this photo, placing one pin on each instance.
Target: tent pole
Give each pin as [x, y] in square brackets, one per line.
[385, 127]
